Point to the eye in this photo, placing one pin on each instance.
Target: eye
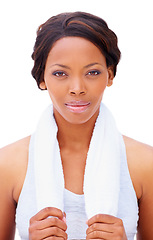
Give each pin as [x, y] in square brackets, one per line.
[93, 73]
[59, 74]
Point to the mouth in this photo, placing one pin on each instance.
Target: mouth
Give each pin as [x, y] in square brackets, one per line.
[77, 106]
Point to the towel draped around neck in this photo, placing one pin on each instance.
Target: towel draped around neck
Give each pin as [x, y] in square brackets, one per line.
[102, 171]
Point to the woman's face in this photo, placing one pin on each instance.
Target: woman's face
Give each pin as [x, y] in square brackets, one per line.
[76, 76]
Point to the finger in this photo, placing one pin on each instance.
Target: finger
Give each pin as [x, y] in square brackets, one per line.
[109, 228]
[53, 238]
[99, 235]
[51, 222]
[101, 218]
[52, 232]
[46, 212]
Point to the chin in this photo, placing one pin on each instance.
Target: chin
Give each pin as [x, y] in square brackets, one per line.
[79, 119]
[76, 118]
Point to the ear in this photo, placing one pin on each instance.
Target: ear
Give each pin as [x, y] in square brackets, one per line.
[110, 76]
[42, 85]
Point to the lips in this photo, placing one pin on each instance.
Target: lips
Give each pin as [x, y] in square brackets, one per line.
[77, 106]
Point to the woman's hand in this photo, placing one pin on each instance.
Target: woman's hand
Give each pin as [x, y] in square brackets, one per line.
[42, 226]
[107, 227]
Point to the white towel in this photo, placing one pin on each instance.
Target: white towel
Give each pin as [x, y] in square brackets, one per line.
[102, 171]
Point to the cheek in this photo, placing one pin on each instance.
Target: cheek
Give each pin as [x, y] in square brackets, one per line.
[52, 87]
[98, 89]
[55, 92]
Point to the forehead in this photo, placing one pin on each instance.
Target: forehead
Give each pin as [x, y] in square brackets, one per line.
[68, 48]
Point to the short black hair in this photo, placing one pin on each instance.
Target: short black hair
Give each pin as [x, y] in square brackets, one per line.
[81, 24]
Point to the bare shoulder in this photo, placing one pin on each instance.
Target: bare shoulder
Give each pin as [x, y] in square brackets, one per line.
[140, 163]
[13, 163]
[14, 153]
[139, 156]
[138, 149]
[14, 148]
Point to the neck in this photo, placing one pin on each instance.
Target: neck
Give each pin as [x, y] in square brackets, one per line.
[75, 136]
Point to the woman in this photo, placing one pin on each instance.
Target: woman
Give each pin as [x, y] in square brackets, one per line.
[75, 58]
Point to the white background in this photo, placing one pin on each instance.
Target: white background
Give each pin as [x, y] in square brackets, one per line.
[130, 98]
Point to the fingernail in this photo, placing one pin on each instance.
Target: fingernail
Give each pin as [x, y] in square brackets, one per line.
[64, 219]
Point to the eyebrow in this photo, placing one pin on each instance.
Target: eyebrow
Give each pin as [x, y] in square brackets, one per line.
[60, 65]
[92, 64]
[64, 66]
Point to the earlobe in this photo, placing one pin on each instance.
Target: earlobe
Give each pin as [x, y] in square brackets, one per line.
[42, 85]
[110, 83]
[110, 76]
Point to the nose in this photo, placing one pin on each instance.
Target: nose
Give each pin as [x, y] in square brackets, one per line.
[77, 86]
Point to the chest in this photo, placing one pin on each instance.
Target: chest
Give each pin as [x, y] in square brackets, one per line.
[73, 163]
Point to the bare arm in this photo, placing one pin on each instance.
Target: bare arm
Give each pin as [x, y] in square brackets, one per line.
[145, 226]
[140, 161]
[7, 204]
[13, 163]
